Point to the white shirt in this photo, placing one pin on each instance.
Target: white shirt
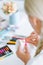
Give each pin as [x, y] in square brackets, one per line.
[38, 60]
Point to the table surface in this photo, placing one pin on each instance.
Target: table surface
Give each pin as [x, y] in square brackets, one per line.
[24, 28]
[13, 59]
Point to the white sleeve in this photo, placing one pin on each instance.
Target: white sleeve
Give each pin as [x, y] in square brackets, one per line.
[38, 60]
[32, 50]
[30, 61]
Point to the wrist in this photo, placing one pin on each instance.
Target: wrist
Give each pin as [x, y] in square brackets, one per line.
[25, 63]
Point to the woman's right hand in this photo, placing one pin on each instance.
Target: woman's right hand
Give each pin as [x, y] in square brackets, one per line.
[24, 56]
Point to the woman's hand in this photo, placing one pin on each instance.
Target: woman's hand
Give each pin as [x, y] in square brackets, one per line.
[33, 38]
[24, 56]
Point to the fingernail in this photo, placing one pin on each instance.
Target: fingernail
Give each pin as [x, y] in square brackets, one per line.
[25, 44]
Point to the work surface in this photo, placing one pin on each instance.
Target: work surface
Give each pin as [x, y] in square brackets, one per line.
[24, 28]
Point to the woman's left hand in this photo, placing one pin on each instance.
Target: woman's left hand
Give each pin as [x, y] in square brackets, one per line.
[33, 38]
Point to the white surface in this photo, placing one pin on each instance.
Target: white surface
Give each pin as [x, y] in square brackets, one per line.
[12, 59]
[24, 29]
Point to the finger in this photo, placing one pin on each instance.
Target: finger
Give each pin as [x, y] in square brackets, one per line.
[18, 50]
[25, 48]
[28, 39]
